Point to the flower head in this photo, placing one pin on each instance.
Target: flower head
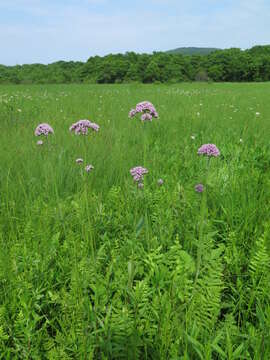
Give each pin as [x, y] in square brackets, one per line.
[44, 129]
[140, 185]
[160, 182]
[146, 117]
[138, 172]
[209, 150]
[79, 161]
[94, 126]
[132, 113]
[39, 142]
[147, 110]
[89, 167]
[82, 126]
[199, 188]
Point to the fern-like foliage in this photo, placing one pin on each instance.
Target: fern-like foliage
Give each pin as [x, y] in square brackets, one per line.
[206, 302]
[260, 260]
[259, 270]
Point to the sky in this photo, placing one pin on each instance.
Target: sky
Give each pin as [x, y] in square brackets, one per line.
[44, 31]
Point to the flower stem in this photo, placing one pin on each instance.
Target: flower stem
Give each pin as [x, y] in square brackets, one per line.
[203, 212]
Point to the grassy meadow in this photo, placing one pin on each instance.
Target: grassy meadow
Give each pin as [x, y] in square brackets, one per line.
[92, 267]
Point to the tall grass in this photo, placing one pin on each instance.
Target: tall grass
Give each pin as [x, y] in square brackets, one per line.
[92, 267]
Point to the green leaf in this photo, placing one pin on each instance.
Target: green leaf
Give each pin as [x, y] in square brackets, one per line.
[139, 226]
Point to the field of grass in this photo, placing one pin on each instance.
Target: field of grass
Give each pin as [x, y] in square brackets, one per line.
[92, 267]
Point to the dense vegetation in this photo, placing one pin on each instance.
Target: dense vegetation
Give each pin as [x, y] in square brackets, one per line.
[91, 267]
[222, 65]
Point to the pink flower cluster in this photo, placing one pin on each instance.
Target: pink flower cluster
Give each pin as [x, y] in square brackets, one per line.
[82, 126]
[137, 174]
[147, 110]
[199, 188]
[209, 150]
[132, 113]
[44, 129]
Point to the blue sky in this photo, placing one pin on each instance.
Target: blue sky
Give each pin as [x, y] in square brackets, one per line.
[49, 30]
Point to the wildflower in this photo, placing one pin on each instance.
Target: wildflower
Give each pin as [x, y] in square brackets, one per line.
[89, 167]
[209, 150]
[79, 161]
[39, 142]
[258, 114]
[138, 172]
[82, 126]
[94, 126]
[132, 113]
[241, 140]
[192, 137]
[146, 108]
[146, 116]
[140, 185]
[44, 129]
[160, 182]
[199, 188]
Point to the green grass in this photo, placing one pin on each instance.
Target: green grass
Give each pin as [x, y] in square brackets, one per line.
[92, 267]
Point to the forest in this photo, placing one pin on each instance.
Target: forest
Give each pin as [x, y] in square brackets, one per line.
[229, 65]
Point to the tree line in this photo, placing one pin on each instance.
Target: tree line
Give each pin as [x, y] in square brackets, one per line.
[222, 65]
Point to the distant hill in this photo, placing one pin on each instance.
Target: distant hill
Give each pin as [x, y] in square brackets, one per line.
[192, 51]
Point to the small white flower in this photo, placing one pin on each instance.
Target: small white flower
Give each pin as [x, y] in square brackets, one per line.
[192, 137]
[89, 167]
[241, 140]
[258, 114]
